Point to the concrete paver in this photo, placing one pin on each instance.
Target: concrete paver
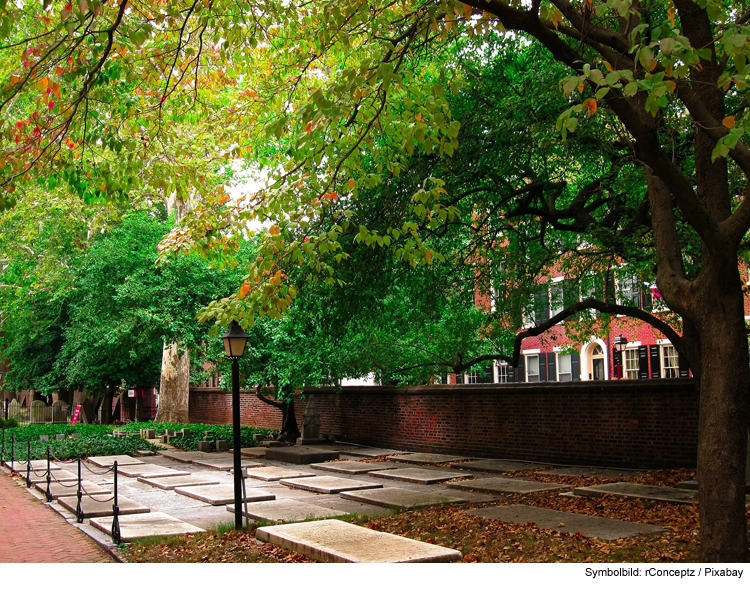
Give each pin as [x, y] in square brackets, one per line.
[57, 476]
[402, 498]
[505, 485]
[221, 494]
[589, 472]
[172, 482]
[419, 475]
[36, 466]
[30, 532]
[287, 510]
[150, 470]
[338, 541]
[640, 491]
[427, 459]
[328, 484]
[188, 456]
[108, 461]
[225, 465]
[253, 452]
[588, 526]
[300, 454]
[372, 452]
[353, 467]
[102, 505]
[146, 525]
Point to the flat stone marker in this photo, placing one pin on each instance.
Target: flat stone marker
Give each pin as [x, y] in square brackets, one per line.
[188, 456]
[57, 476]
[353, 467]
[590, 472]
[108, 461]
[225, 464]
[300, 454]
[36, 465]
[419, 475]
[329, 485]
[287, 510]
[693, 485]
[426, 459]
[640, 491]
[149, 470]
[221, 494]
[269, 473]
[505, 485]
[253, 452]
[587, 525]
[58, 490]
[336, 541]
[401, 498]
[172, 482]
[496, 466]
[145, 525]
[101, 505]
[372, 452]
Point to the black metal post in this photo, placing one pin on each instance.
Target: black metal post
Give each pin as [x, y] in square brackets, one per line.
[28, 465]
[12, 450]
[236, 432]
[116, 513]
[49, 479]
[79, 507]
[2, 452]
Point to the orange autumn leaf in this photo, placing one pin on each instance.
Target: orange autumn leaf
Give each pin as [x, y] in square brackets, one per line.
[591, 106]
[728, 122]
[351, 183]
[245, 289]
[59, 70]
[274, 230]
[309, 127]
[418, 116]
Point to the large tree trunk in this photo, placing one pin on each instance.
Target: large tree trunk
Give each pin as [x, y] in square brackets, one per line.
[289, 429]
[723, 422]
[105, 412]
[174, 388]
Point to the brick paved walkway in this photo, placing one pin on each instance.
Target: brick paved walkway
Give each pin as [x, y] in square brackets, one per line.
[32, 532]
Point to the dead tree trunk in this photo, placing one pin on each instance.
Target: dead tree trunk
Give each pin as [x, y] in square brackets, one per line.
[174, 387]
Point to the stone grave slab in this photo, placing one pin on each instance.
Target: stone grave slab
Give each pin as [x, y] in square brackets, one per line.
[353, 467]
[640, 491]
[372, 452]
[253, 452]
[332, 540]
[269, 473]
[57, 476]
[172, 482]
[36, 466]
[693, 485]
[505, 485]
[146, 525]
[108, 461]
[329, 485]
[300, 454]
[58, 490]
[401, 498]
[588, 526]
[496, 466]
[225, 464]
[427, 459]
[150, 470]
[188, 456]
[287, 510]
[590, 472]
[419, 475]
[221, 494]
[101, 505]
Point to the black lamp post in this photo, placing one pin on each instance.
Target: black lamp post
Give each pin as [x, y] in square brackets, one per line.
[620, 343]
[234, 345]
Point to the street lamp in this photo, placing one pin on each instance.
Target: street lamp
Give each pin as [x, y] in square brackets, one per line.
[620, 343]
[234, 345]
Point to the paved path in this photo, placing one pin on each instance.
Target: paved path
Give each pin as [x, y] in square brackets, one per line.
[32, 532]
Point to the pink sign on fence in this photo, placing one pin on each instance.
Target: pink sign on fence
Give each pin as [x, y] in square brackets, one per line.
[75, 415]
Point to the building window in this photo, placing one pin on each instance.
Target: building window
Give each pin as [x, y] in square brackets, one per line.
[502, 373]
[631, 364]
[670, 367]
[564, 369]
[532, 368]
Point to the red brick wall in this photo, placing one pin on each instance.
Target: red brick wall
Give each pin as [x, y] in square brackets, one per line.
[640, 423]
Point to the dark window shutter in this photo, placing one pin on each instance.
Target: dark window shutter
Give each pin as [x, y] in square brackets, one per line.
[459, 378]
[617, 369]
[575, 367]
[489, 374]
[684, 367]
[542, 367]
[643, 363]
[521, 368]
[646, 298]
[551, 368]
[609, 287]
[541, 305]
[511, 374]
[655, 361]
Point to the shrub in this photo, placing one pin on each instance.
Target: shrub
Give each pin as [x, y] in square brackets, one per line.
[198, 431]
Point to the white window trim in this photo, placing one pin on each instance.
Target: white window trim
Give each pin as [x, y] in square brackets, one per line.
[557, 365]
[526, 365]
[663, 367]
